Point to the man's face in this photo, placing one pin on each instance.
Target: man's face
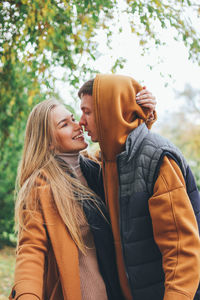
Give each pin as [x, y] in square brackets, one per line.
[88, 118]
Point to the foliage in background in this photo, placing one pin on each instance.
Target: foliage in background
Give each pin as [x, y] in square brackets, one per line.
[183, 128]
[38, 36]
[7, 263]
[147, 18]
[192, 101]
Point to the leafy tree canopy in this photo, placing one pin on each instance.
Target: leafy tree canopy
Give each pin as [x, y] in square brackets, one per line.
[36, 36]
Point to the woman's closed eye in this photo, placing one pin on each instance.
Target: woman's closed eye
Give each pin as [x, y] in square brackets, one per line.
[64, 125]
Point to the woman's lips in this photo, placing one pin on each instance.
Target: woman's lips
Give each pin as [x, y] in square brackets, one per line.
[79, 136]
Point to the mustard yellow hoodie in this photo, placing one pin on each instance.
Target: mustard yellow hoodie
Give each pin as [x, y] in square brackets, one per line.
[117, 114]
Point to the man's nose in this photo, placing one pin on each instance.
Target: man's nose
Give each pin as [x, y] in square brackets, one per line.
[82, 121]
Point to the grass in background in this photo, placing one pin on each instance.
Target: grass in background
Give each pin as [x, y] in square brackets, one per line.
[7, 264]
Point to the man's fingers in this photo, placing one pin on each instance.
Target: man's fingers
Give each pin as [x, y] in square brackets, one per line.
[149, 105]
[144, 96]
[144, 91]
[145, 101]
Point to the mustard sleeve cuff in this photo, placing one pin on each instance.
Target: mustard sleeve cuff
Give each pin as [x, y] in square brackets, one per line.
[176, 295]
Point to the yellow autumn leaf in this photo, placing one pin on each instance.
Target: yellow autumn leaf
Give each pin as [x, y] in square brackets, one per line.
[30, 100]
[85, 20]
[42, 44]
[5, 47]
[12, 58]
[29, 22]
[158, 3]
[142, 42]
[3, 59]
[50, 31]
[67, 6]
[51, 46]
[24, 1]
[45, 10]
[32, 16]
[88, 34]
[132, 29]
[12, 102]
[39, 16]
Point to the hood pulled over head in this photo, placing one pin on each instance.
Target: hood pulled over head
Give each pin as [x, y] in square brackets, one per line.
[116, 112]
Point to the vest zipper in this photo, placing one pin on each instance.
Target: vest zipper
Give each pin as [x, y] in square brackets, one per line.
[120, 227]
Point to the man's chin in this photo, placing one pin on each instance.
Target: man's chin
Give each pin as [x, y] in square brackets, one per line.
[93, 138]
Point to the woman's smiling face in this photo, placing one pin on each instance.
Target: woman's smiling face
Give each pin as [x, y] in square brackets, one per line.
[68, 133]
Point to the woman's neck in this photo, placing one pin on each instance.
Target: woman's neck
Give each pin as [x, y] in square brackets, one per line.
[70, 158]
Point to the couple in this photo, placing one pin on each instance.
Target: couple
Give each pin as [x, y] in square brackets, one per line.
[123, 230]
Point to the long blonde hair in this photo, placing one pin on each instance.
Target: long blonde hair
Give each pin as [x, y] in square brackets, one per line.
[38, 159]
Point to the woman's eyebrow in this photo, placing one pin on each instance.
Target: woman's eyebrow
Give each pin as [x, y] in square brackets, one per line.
[65, 119]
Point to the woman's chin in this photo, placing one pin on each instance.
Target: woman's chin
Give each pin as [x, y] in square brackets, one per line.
[85, 145]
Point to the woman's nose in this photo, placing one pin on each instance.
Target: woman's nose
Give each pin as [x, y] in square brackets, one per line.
[77, 125]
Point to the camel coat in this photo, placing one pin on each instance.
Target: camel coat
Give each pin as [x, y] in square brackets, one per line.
[47, 261]
[40, 261]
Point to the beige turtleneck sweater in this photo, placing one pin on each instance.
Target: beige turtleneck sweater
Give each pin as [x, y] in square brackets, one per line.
[92, 284]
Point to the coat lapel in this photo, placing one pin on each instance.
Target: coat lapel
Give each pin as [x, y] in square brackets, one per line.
[65, 250]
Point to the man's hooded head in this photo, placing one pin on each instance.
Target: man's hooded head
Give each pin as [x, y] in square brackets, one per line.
[110, 111]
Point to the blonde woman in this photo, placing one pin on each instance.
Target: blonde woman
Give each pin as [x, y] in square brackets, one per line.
[65, 245]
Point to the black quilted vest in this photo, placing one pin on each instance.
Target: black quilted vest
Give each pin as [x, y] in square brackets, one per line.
[138, 167]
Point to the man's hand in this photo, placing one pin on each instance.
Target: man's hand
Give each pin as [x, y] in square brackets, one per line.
[145, 99]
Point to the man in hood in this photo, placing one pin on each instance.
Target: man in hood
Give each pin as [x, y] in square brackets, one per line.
[150, 192]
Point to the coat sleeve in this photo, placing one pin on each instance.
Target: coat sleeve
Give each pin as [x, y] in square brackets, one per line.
[176, 233]
[30, 258]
